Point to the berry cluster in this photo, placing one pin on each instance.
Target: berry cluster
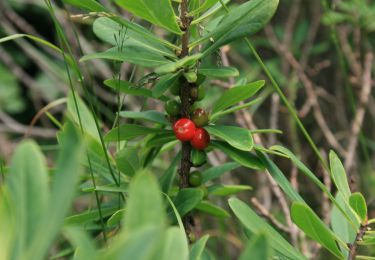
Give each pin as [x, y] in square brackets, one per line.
[186, 130]
[191, 129]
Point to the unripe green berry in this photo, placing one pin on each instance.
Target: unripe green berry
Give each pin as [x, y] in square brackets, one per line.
[190, 76]
[197, 93]
[198, 158]
[195, 178]
[200, 117]
[172, 107]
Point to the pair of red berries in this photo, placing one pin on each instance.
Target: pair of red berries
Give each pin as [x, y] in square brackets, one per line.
[185, 130]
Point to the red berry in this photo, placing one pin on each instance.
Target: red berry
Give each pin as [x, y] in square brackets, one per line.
[201, 139]
[184, 129]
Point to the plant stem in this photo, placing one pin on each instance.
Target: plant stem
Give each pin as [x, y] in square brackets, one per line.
[185, 104]
[354, 245]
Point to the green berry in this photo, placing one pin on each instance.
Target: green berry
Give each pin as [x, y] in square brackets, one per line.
[172, 107]
[195, 178]
[190, 76]
[200, 117]
[205, 191]
[198, 158]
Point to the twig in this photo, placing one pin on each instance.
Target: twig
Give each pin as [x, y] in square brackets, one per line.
[354, 245]
[360, 114]
[265, 213]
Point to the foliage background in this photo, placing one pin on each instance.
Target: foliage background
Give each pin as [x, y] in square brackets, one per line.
[326, 70]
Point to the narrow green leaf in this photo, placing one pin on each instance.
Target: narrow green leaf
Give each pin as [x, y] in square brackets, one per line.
[128, 88]
[358, 204]
[150, 115]
[110, 31]
[219, 72]
[166, 180]
[82, 242]
[237, 94]
[258, 247]
[279, 177]
[237, 137]
[161, 139]
[207, 4]
[197, 248]
[31, 37]
[211, 209]
[340, 226]
[244, 158]
[133, 54]
[129, 131]
[157, 12]
[243, 20]
[180, 64]
[127, 160]
[213, 10]
[175, 245]
[313, 227]
[226, 190]
[339, 175]
[63, 188]
[164, 83]
[86, 217]
[217, 171]
[90, 5]
[116, 218]
[28, 189]
[145, 205]
[108, 188]
[257, 225]
[187, 199]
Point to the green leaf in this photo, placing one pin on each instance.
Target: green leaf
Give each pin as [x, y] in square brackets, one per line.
[279, 177]
[175, 245]
[82, 242]
[197, 248]
[237, 137]
[90, 5]
[127, 160]
[358, 204]
[237, 94]
[313, 227]
[217, 171]
[145, 204]
[340, 226]
[242, 21]
[108, 188]
[142, 243]
[213, 10]
[207, 4]
[339, 175]
[219, 72]
[81, 112]
[244, 158]
[211, 209]
[258, 247]
[127, 88]
[63, 188]
[187, 199]
[257, 225]
[161, 139]
[28, 189]
[166, 180]
[164, 83]
[129, 131]
[180, 64]
[114, 33]
[226, 190]
[116, 218]
[150, 115]
[92, 215]
[133, 54]
[157, 12]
